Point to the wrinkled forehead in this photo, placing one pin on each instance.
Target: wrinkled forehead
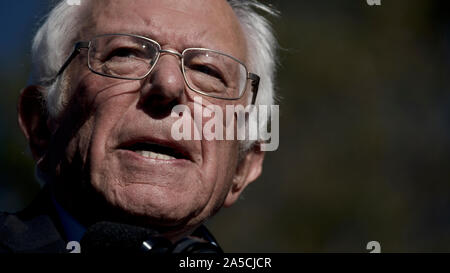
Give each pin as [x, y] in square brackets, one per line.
[173, 23]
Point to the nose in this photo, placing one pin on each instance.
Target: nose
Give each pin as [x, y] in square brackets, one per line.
[165, 85]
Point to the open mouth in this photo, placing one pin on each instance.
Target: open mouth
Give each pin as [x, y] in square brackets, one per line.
[156, 151]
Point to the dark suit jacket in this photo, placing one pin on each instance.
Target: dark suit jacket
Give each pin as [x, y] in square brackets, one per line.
[38, 229]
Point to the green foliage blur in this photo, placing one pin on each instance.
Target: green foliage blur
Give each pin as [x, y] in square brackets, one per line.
[364, 133]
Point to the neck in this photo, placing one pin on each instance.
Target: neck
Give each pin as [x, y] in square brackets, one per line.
[88, 207]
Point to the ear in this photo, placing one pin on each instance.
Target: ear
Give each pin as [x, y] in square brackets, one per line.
[33, 117]
[247, 171]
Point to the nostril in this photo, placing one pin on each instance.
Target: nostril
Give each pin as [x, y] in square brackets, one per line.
[157, 106]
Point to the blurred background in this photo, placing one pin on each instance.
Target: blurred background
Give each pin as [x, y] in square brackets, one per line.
[364, 129]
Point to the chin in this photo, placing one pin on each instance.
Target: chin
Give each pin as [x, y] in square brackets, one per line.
[156, 206]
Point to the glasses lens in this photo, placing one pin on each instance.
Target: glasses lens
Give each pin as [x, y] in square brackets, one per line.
[214, 73]
[122, 56]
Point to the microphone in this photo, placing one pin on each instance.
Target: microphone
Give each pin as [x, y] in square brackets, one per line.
[110, 237]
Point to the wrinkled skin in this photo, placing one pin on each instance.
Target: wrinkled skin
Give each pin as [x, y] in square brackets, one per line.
[94, 178]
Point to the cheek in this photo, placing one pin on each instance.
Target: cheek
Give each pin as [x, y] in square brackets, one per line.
[97, 91]
[105, 122]
[220, 161]
[74, 159]
[107, 102]
[220, 156]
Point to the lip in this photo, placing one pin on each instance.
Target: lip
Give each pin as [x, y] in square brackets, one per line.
[179, 151]
[135, 157]
[148, 170]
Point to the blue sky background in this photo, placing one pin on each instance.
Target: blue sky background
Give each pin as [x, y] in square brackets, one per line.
[18, 20]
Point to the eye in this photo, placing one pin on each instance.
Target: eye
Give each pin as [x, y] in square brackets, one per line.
[208, 71]
[122, 52]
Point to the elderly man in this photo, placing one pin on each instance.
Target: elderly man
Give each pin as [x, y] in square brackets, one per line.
[106, 76]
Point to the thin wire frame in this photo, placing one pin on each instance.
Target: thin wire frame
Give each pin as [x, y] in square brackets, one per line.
[254, 79]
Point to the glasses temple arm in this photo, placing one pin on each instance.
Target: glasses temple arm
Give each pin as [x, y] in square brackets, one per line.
[76, 50]
[255, 85]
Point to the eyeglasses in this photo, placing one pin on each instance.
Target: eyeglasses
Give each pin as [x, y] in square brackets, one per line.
[133, 57]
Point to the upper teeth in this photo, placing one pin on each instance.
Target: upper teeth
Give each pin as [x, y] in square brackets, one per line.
[153, 155]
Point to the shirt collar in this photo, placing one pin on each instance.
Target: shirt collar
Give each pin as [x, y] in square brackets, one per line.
[73, 230]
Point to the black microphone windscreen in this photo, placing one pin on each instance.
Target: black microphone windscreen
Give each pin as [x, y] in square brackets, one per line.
[109, 237]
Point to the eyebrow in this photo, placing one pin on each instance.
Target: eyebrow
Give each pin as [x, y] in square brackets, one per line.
[187, 39]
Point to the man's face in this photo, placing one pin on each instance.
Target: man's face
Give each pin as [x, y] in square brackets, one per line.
[127, 115]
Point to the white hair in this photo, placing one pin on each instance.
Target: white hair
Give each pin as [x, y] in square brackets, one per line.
[54, 41]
